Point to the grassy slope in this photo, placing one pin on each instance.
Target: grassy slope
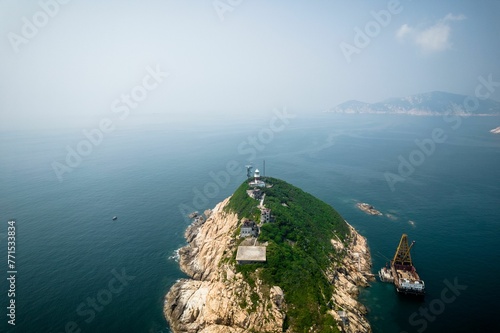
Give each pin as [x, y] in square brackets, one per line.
[299, 250]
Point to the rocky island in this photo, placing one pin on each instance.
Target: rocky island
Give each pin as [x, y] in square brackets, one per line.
[270, 259]
[367, 208]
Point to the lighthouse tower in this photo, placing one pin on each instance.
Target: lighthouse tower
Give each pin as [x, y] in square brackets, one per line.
[256, 176]
[256, 179]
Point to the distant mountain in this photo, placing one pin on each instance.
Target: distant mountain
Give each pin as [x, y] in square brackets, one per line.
[428, 104]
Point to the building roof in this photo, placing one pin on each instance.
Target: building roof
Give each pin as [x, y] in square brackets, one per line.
[248, 224]
[251, 253]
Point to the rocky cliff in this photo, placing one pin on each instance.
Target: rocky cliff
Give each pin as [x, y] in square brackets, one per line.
[348, 277]
[218, 299]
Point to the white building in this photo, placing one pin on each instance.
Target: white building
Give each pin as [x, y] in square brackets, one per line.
[256, 180]
[249, 229]
[265, 215]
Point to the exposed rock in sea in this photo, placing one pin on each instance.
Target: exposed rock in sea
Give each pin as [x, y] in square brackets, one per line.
[367, 208]
[216, 298]
[496, 130]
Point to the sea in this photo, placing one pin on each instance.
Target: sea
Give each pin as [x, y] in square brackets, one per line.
[436, 179]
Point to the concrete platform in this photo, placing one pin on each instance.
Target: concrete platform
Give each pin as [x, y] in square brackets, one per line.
[251, 254]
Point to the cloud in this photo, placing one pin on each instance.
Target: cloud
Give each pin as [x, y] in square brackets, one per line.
[435, 38]
[451, 17]
[403, 31]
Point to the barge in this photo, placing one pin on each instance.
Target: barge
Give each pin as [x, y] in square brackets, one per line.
[401, 271]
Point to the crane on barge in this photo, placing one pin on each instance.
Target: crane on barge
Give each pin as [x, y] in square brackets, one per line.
[401, 271]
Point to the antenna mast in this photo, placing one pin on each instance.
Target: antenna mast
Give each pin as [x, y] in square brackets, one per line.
[249, 170]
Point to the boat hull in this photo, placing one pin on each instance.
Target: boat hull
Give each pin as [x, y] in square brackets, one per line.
[407, 281]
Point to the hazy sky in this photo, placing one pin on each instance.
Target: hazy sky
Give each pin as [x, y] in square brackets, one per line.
[230, 57]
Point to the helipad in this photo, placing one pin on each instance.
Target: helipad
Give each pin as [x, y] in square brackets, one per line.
[251, 254]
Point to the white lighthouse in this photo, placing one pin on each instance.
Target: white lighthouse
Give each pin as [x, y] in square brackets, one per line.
[256, 179]
[256, 175]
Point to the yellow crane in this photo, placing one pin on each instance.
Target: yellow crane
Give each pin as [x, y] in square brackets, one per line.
[402, 256]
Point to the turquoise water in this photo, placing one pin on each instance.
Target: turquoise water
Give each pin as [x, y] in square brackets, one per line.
[68, 245]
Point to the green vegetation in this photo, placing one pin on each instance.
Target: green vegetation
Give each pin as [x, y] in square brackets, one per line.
[298, 252]
[242, 204]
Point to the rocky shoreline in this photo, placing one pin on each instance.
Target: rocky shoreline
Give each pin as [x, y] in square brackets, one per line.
[354, 273]
[217, 299]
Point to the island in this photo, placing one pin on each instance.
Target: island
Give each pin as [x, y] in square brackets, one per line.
[434, 103]
[270, 258]
[367, 208]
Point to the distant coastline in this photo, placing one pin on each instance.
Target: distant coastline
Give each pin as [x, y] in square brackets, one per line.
[436, 103]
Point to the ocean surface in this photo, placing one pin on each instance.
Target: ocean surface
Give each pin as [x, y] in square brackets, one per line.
[69, 251]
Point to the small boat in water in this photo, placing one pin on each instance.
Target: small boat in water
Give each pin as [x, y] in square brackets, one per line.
[115, 218]
[385, 275]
